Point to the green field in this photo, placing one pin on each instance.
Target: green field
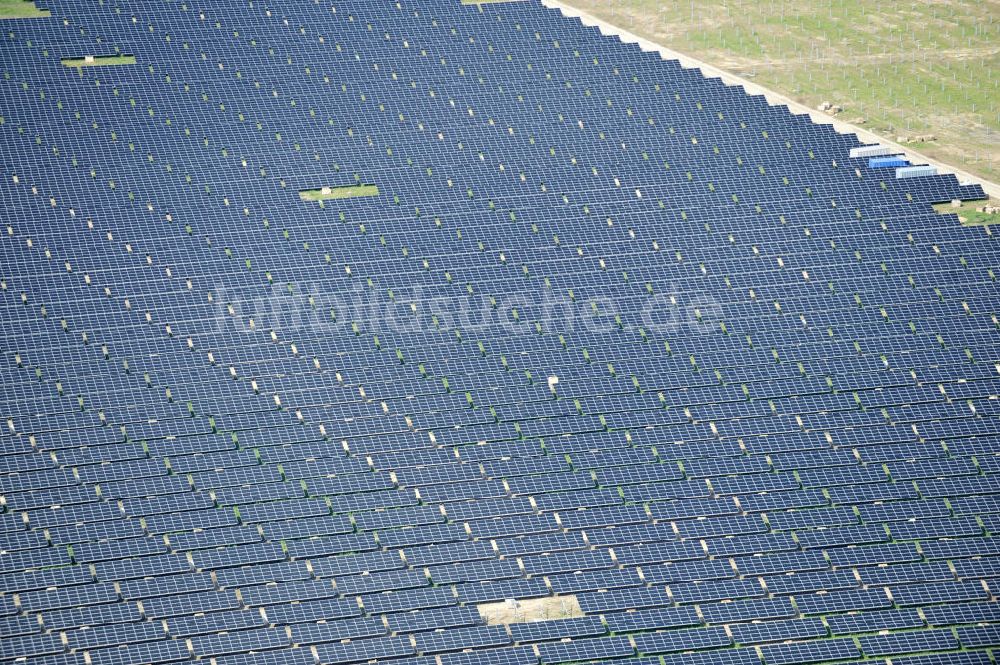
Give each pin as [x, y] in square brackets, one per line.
[20, 9]
[900, 69]
[968, 215]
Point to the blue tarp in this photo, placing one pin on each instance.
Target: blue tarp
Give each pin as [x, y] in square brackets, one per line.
[887, 162]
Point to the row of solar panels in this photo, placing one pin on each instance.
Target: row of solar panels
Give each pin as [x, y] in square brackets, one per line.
[561, 491]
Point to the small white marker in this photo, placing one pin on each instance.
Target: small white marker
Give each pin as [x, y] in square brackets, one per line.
[553, 381]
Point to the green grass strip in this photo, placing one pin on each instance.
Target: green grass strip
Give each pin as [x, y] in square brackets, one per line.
[349, 192]
[21, 9]
[973, 218]
[99, 61]
[967, 213]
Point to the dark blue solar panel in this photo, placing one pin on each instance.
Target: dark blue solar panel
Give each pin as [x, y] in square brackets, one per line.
[587, 649]
[609, 330]
[960, 658]
[682, 640]
[809, 652]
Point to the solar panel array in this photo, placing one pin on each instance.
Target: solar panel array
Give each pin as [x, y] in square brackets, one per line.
[609, 330]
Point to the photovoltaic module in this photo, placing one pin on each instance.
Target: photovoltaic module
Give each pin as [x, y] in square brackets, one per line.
[426, 333]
